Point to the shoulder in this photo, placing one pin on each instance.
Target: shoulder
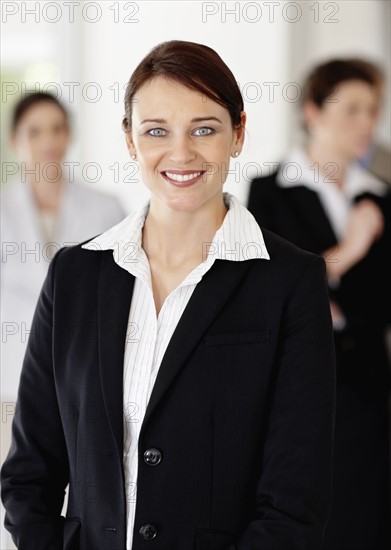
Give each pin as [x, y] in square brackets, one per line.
[288, 263]
[74, 264]
[94, 196]
[106, 205]
[264, 185]
[284, 250]
[11, 191]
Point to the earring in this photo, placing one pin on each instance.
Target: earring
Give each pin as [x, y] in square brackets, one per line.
[134, 157]
[236, 153]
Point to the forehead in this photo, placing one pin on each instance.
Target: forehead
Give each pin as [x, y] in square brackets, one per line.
[42, 112]
[356, 90]
[162, 97]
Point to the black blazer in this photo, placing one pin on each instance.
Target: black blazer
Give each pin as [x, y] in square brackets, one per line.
[364, 293]
[242, 411]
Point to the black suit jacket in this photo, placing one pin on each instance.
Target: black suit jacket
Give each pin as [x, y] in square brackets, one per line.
[364, 292]
[242, 411]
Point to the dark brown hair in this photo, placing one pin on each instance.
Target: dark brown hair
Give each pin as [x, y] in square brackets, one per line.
[370, 67]
[324, 79]
[196, 66]
[29, 101]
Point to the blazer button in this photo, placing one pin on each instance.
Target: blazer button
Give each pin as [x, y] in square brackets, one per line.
[148, 531]
[152, 457]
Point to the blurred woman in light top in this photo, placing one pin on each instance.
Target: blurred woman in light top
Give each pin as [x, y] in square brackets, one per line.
[41, 210]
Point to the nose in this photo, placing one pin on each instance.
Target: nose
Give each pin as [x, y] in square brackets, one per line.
[182, 151]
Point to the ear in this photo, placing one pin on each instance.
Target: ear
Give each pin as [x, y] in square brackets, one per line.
[129, 143]
[239, 132]
[311, 113]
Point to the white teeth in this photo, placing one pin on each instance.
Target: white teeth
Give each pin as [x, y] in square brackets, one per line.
[179, 177]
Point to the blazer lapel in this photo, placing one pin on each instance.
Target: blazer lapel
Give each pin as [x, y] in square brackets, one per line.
[209, 297]
[114, 300]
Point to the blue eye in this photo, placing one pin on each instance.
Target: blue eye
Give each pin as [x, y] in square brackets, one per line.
[209, 131]
[156, 130]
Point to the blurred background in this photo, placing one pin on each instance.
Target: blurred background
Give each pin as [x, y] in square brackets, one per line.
[85, 52]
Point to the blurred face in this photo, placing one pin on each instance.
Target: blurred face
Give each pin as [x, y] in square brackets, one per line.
[346, 122]
[183, 141]
[41, 136]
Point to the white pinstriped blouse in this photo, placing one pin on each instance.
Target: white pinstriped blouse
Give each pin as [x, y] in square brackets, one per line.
[239, 238]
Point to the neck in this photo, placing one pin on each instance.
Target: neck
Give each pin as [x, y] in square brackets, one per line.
[171, 238]
[331, 164]
[46, 193]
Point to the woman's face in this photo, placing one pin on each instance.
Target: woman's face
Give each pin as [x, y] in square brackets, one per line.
[346, 122]
[41, 136]
[177, 134]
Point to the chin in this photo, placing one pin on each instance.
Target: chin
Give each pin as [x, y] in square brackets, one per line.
[359, 151]
[182, 203]
[353, 151]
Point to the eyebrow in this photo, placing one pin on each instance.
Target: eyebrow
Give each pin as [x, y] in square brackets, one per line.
[197, 119]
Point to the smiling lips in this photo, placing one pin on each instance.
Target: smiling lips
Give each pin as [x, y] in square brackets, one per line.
[182, 178]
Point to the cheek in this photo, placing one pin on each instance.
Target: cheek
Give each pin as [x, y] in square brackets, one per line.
[24, 147]
[147, 161]
[62, 139]
[346, 122]
[150, 153]
[337, 125]
[30, 147]
[218, 151]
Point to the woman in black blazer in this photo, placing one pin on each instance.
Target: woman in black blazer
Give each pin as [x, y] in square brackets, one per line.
[323, 201]
[235, 446]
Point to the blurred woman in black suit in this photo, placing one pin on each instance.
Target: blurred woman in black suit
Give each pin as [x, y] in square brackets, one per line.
[323, 201]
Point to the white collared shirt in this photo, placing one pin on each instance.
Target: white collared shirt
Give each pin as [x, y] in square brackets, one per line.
[298, 169]
[239, 238]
